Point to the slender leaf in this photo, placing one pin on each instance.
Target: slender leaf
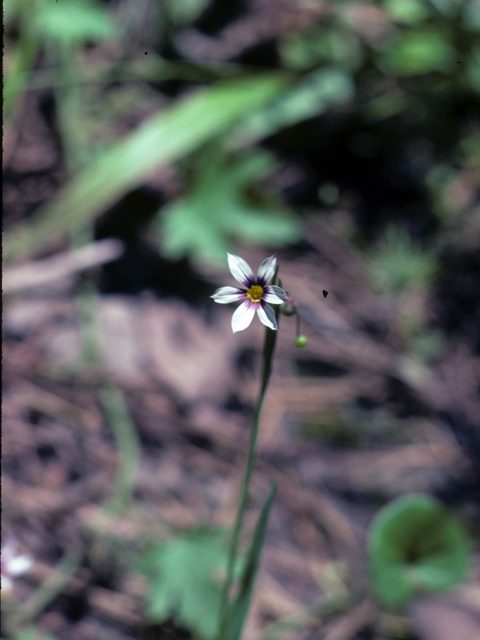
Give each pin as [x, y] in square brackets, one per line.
[238, 610]
[317, 91]
[127, 441]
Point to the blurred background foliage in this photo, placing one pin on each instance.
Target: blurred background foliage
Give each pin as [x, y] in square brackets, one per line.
[378, 100]
[366, 112]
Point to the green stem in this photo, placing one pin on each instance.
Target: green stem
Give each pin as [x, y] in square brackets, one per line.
[70, 109]
[268, 351]
[123, 72]
[19, 74]
[51, 587]
[128, 446]
[72, 131]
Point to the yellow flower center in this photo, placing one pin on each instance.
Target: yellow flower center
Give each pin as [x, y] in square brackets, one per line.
[255, 293]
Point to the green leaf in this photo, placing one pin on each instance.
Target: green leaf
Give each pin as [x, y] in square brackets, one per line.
[11, 9]
[72, 21]
[415, 546]
[407, 11]
[184, 580]
[321, 45]
[185, 12]
[420, 51]
[164, 138]
[238, 610]
[312, 95]
[221, 205]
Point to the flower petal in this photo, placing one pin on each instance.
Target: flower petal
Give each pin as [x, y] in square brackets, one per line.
[243, 316]
[240, 270]
[267, 316]
[224, 295]
[266, 270]
[274, 294]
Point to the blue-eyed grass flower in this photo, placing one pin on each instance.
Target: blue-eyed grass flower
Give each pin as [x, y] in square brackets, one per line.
[257, 295]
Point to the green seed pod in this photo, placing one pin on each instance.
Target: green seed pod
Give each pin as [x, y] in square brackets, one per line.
[301, 341]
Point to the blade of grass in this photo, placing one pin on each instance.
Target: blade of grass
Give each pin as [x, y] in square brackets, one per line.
[154, 69]
[238, 609]
[19, 72]
[128, 445]
[52, 586]
[166, 137]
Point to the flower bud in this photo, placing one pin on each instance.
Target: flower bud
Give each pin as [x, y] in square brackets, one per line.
[287, 309]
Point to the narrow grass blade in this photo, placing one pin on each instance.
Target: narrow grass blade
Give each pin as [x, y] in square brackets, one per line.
[238, 609]
[128, 445]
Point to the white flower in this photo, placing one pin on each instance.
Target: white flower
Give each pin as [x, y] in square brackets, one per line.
[13, 565]
[255, 296]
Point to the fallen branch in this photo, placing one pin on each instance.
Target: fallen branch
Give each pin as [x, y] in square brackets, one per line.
[38, 272]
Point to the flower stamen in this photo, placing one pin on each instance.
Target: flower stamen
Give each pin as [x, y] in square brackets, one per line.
[255, 293]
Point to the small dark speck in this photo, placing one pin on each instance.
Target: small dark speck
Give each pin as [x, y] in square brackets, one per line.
[325, 293]
[146, 52]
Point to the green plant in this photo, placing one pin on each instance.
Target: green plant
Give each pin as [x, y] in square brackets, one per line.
[185, 577]
[397, 264]
[415, 546]
[201, 578]
[128, 446]
[45, 25]
[403, 271]
[223, 203]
